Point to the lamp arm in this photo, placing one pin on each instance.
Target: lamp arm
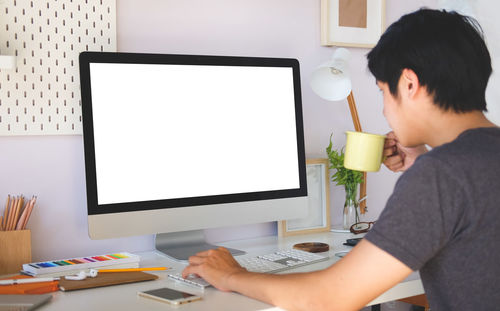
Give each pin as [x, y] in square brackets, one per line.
[357, 127]
[354, 112]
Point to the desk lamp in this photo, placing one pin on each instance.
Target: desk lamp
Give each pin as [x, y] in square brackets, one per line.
[331, 81]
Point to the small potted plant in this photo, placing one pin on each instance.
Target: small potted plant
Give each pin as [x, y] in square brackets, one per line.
[348, 178]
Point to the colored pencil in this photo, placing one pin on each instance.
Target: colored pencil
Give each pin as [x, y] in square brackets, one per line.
[23, 216]
[25, 281]
[14, 212]
[13, 204]
[32, 205]
[7, 218]
[134, 269]
[17, 212]
[4, 220]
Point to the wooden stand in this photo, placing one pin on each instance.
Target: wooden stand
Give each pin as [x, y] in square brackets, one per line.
[16, 250]
[357, 127]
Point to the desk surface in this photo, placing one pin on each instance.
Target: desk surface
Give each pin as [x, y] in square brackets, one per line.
[124, 297]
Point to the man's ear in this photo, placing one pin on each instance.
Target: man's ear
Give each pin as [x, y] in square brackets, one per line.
[410, 84]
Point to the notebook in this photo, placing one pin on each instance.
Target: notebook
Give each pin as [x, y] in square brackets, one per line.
[28, 288]
[22, 302]
[106, 279]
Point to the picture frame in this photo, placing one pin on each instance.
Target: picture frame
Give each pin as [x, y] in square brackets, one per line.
[318, 189]
[352, 23]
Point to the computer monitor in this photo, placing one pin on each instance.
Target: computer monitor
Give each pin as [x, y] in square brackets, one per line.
[179, 143]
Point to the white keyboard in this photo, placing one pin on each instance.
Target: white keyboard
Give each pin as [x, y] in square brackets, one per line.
[269, 263]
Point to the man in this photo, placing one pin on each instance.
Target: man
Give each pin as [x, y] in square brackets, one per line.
[443, 216]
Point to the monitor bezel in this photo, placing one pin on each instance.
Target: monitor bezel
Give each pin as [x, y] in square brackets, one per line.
[93, 208]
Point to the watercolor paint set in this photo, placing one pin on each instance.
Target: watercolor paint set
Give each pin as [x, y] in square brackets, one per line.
[68, 266]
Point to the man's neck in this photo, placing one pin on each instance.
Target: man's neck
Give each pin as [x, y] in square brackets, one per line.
[445, 127]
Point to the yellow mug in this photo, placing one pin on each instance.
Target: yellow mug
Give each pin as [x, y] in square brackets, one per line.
[363, 151]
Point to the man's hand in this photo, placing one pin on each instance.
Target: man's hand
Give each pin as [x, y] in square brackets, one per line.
[398, 158]
[216, 266]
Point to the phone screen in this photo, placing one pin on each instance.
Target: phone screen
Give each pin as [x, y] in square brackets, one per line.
[167, 293]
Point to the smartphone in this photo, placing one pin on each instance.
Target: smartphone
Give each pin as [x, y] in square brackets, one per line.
[169, 295]
[352, 242]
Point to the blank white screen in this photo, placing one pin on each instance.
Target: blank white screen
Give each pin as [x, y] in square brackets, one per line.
[178, 131]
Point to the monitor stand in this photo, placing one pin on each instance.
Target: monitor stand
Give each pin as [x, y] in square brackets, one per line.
[181, 245]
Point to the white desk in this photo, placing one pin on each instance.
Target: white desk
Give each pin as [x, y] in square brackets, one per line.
[124, 297]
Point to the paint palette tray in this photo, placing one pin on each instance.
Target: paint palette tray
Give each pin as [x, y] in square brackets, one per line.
[74, 265]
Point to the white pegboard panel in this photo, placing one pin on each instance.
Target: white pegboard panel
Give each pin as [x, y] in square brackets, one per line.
[42, 95]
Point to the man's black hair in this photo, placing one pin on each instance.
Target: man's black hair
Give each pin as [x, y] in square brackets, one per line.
[447, 52]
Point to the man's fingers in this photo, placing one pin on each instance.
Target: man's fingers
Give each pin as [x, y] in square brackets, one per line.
[203, 253]
[396, 167]
[390, 151]
[196, 260]
[400, 169]
[212, 252]
[389, 142]
[189, 270]
[223, 249]
[391, 135]
[393, 161]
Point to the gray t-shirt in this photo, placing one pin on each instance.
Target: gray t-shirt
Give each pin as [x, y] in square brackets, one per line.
[443, 219]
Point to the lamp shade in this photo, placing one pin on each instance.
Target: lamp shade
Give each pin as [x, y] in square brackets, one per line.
[331, 80]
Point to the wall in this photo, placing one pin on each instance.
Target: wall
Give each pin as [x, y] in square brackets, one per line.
[52, 166]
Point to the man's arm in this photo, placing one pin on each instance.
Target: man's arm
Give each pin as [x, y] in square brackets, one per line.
[362, 275]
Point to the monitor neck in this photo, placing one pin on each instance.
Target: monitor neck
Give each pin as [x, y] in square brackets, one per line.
[181, 245]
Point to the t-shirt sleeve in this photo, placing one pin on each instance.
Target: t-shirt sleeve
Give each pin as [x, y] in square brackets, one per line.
[418, 218]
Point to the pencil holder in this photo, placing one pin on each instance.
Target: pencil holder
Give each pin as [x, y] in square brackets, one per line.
[15, 250]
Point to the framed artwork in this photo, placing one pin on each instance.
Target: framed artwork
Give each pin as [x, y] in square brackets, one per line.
[318, 189]
[354, 23]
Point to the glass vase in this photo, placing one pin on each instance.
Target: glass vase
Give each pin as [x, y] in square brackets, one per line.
[350, 215]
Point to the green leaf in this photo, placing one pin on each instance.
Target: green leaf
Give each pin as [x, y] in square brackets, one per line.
[341, 175]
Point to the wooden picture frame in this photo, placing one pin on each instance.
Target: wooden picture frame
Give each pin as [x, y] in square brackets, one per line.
[318, 189]
[352, 23]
